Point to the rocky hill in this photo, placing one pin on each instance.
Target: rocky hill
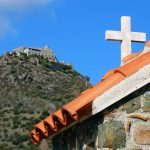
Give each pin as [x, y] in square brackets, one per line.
[31, 88]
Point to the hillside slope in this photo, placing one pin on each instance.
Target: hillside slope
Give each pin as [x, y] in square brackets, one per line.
[31, 88]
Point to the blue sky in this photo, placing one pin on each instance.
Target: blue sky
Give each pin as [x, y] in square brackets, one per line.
[74, 29]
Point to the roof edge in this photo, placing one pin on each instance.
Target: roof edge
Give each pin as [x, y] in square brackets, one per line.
[122, 89]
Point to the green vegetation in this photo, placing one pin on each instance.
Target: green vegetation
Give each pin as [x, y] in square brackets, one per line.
[33, 87]
[18, 138]
[5, 119]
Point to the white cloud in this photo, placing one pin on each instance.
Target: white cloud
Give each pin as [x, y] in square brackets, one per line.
[11, 8]
[19, 5]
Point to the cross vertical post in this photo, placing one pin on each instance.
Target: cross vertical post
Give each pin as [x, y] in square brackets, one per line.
[125, 36]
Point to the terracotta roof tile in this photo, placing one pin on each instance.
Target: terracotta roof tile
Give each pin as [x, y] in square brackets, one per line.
[147, 44]
[82, 105]
[50, 122]
[130, 57]
[108, 74]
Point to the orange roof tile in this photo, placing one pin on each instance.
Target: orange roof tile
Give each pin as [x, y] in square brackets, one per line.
[130, 57]
[147, 44]
[82, 105]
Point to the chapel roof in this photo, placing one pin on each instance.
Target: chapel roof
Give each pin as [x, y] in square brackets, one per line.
[82, 105]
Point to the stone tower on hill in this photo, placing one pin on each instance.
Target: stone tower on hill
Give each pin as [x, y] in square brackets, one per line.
[46, 52]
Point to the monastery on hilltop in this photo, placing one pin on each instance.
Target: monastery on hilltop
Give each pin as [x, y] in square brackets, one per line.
[46, 52]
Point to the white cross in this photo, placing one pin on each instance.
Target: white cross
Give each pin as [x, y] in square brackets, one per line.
[125, 36]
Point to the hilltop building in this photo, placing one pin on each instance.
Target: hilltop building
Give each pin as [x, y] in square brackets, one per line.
[46, 52]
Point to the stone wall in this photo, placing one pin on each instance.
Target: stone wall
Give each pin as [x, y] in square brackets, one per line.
[123, 126]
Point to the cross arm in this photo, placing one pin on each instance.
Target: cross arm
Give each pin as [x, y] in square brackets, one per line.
[138, 36]
[113, 35]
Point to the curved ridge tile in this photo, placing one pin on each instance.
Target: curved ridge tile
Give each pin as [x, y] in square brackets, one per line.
[40, 126]
[108, 74]
[60, 116]
[84, 110]
[64, 116]
[35, 137]
[49, 120]
[119, 71]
